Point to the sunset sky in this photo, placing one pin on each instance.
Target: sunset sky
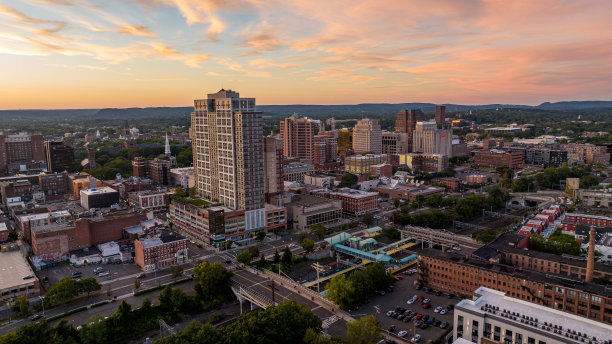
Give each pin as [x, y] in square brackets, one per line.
[122, 53]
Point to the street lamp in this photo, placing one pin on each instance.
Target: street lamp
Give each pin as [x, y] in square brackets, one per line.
[42, 301]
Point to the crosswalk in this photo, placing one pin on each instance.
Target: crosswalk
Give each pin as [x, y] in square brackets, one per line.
[329, 321]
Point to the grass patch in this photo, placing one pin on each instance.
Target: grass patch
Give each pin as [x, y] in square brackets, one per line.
[160, 287]
[198, 202]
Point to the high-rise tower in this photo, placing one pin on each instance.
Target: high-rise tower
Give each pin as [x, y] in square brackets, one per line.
[441, 115]
[406, 121]
[298, 138]
[228, 153]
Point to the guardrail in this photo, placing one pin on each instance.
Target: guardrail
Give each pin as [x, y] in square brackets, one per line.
[251, 295]
[303, 291]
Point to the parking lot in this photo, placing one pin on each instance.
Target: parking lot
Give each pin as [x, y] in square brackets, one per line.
[62, 270]
[404, 290]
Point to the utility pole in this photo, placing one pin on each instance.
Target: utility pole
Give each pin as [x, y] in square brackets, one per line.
[318, 267]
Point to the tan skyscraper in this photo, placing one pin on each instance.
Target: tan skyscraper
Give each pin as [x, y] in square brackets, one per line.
[367, 137]
[228, 153]
[427, 138]
[298, 138]
[273, 166]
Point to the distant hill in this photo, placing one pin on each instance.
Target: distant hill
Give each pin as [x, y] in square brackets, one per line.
[337, 111]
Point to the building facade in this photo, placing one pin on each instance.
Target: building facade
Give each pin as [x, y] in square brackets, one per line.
[165, 249]
[361, 164]
[227, 134]
[427, 138]
[297, 135]
[498, 158]
[406, 121]
[441, 115]
[59, 156]
[273, 166]
[394, 143]
[307, 210]
[367, 137]
[99, 198]
[424, 162]
[355, 202]
[19, 149]
[295, 172]
[494, 317]
[156, 169]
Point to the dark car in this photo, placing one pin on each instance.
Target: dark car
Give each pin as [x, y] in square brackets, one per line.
[437, 323]
[419, 323]
[400, 317]
[427, 306]
[449, 307]
[425, 318]
[36, 317]
[427, 290]
[392, 328]
[444, 325]
[431, 320]
[77, 273]
[424, 326]
[141, 276]
[438, 293]
[418, 287]
[45, 279]
[407, 319]
[450, 296]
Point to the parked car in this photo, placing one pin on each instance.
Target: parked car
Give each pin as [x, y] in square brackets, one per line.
[141, 276]
[438, 293]
[427, 301]
[443, 311]
[77, 273]
[408, 318]
[450, 296]
[444, 325]
[36, 317]
[103, 274]
[411, 301]
[402, 333]
[416, 338]
[424, 326]
[420, 299]
[431, 320]
[427, 290]
[389, 313]
[426, 306]
[438, 309]
[449, 308]
[392, 328]
[419, 316]
[436, 323]
[425, 318]
[418, 287]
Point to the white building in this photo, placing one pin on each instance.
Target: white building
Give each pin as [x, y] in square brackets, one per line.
[182, 176]
[494, 317]
[367, 137]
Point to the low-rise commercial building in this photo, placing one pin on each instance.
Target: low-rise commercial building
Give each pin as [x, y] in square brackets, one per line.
[361, 164]
[306, 211]
[322, 180]
[594, 198]
[354, 202]
[27, 223]
[4, 232]
[422, 162]
[381, 170]
[495, 158]
[16, 278]
[494, 317]
[149, 200]
[409, 192]
[451, 183]
[276, 217]
[182, 177]
[295, 172]
[571, 220]
[99, 198]
[163, 250]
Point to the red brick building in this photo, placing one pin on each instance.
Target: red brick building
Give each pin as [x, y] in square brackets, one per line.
[156, 169]
[497, 158]
[571, 220]
[355, 202]
[54, 183]
[453, 184]
[52, 241]
[21, 148]
[405, 122]
[3, 232]
[461, 275]
[297, 135]
[163, 250]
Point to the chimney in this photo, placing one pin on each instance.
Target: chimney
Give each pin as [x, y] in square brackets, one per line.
[591, 256]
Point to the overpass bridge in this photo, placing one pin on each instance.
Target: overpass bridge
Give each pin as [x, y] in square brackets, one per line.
[437, 236]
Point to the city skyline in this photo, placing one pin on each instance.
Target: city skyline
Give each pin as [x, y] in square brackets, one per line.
[87, 54]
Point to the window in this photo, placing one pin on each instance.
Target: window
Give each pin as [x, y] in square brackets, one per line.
[518, 338]
[496, 334]
[596, 299]
[474, 331]
[530, 340]
[508, 337]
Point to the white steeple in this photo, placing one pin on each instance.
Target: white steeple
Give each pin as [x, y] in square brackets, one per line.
[167, 152]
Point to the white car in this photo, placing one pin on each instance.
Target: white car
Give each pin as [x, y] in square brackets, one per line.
[389, 313]
[411, 301]
[103, 274]
[402, 333]
[416, 338]
[426, 301]
[438, 309]
[443, 311]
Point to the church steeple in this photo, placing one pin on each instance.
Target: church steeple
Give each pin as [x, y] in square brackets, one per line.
[167, 152]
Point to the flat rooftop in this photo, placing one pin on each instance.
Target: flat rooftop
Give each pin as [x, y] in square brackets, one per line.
[97, 191]
[308, 200]
[487, 296]
[13, 268]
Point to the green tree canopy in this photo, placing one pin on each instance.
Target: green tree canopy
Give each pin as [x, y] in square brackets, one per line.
[212, 283]
[363, 331]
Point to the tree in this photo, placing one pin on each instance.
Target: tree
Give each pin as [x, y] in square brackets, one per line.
[341, 291]
[486, 236]
[21, 305]
[434, 201]
[244, 257]
[368, 219]
[287, 256]
[254, 251]
[396, 202]
[260, 235]
[137, 283]
[307, 245]
[277, 258]
[348, 180]
[319, 231]
[363, 331]
[212, 283]
[176, 271]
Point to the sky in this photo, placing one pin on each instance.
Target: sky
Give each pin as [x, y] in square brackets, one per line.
[139, 53]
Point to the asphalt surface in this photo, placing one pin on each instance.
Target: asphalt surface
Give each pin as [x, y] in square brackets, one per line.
[403, 291]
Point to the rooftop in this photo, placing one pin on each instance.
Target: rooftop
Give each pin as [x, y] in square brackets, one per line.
[308, 200]
[13, 268]
[97, 191]
[513, 310]
[544, 278]
[354, 193]
[3, 227]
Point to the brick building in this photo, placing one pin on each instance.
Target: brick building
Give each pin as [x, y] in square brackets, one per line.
[462, 275]
[497, 158]
[451, 183]
[355, 202]
[163, 250]
[18, 188]
[19, 149]
[571, 220]
[586, 153]
[325, 148]
[54, 183]
[4, 232]
[381, 170]
[297, 135]
[156, 169]
[273, 166]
